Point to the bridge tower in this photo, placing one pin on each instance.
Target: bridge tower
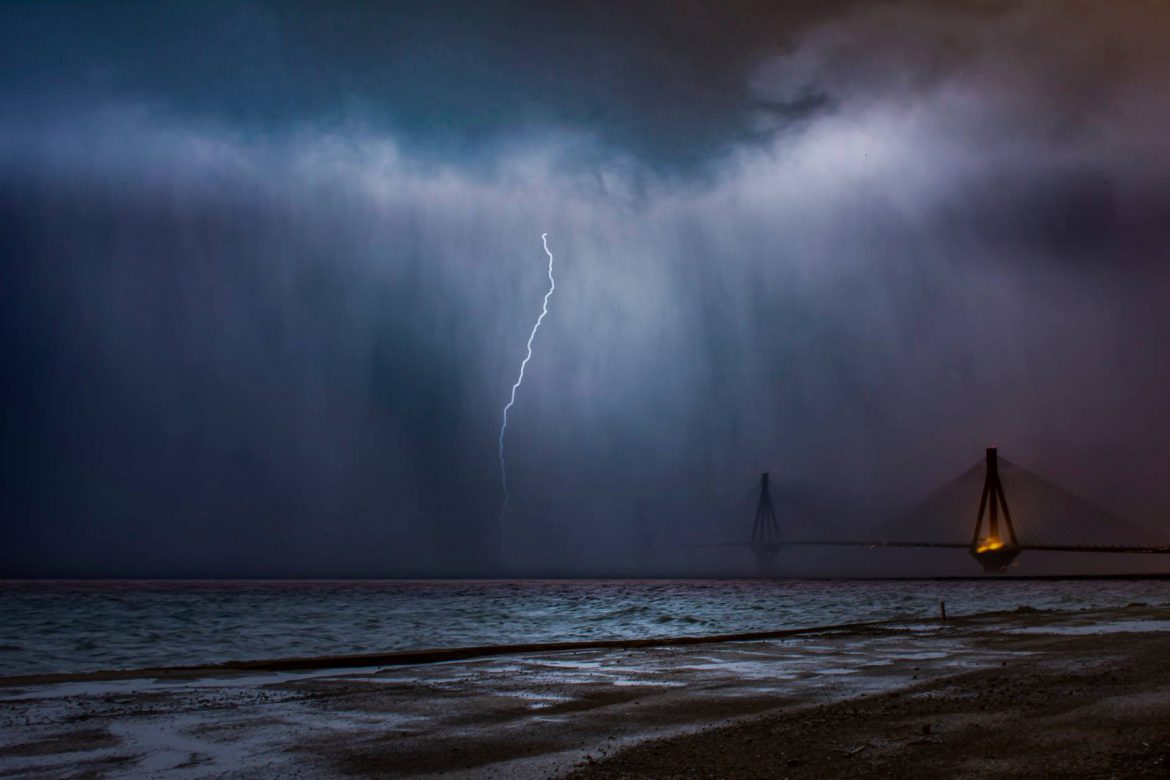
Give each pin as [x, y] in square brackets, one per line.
[765, 541]
[994, 547]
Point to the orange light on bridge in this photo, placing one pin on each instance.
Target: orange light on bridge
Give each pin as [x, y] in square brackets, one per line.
[990, 544]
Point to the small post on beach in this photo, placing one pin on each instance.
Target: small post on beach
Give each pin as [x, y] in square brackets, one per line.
[942, 607]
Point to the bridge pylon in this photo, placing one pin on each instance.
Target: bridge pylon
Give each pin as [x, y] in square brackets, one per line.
[765, 541]
[995, 547]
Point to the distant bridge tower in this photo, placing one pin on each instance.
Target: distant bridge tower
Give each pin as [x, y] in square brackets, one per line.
[994, 549]
[765, 531]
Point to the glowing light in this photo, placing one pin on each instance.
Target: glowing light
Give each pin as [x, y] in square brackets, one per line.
[990, 544]
[552, 285]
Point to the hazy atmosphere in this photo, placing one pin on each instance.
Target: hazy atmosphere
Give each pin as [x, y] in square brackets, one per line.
[267, 275]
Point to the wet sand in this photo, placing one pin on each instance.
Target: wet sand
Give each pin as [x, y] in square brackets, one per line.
[1080, 704]
[1077, 694]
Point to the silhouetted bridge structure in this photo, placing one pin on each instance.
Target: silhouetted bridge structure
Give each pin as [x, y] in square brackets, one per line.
[1012, 510]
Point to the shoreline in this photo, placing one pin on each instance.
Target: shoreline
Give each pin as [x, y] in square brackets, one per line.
[120, 630]
[435, 655]
[424, 656]
[708, 708]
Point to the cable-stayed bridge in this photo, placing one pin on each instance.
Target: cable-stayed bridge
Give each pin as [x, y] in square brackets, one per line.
[995, 510]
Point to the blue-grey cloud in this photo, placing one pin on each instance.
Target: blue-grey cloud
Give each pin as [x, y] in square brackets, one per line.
[665, 82]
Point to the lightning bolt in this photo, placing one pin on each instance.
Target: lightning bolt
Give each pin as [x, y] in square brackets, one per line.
[552, 285]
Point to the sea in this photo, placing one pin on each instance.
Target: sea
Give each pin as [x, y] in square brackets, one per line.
[72, 626]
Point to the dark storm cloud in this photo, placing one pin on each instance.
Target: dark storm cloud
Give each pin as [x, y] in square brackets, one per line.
[267, 272]
[663, 81]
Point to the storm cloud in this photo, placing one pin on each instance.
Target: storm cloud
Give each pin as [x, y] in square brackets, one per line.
[266, 272]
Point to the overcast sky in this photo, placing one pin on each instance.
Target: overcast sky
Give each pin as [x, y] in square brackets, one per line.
[267, 271]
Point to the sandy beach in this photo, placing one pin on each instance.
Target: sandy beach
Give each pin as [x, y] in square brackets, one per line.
[1065, 694]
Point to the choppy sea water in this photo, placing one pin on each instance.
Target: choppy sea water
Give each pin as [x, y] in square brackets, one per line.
[77, 626]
